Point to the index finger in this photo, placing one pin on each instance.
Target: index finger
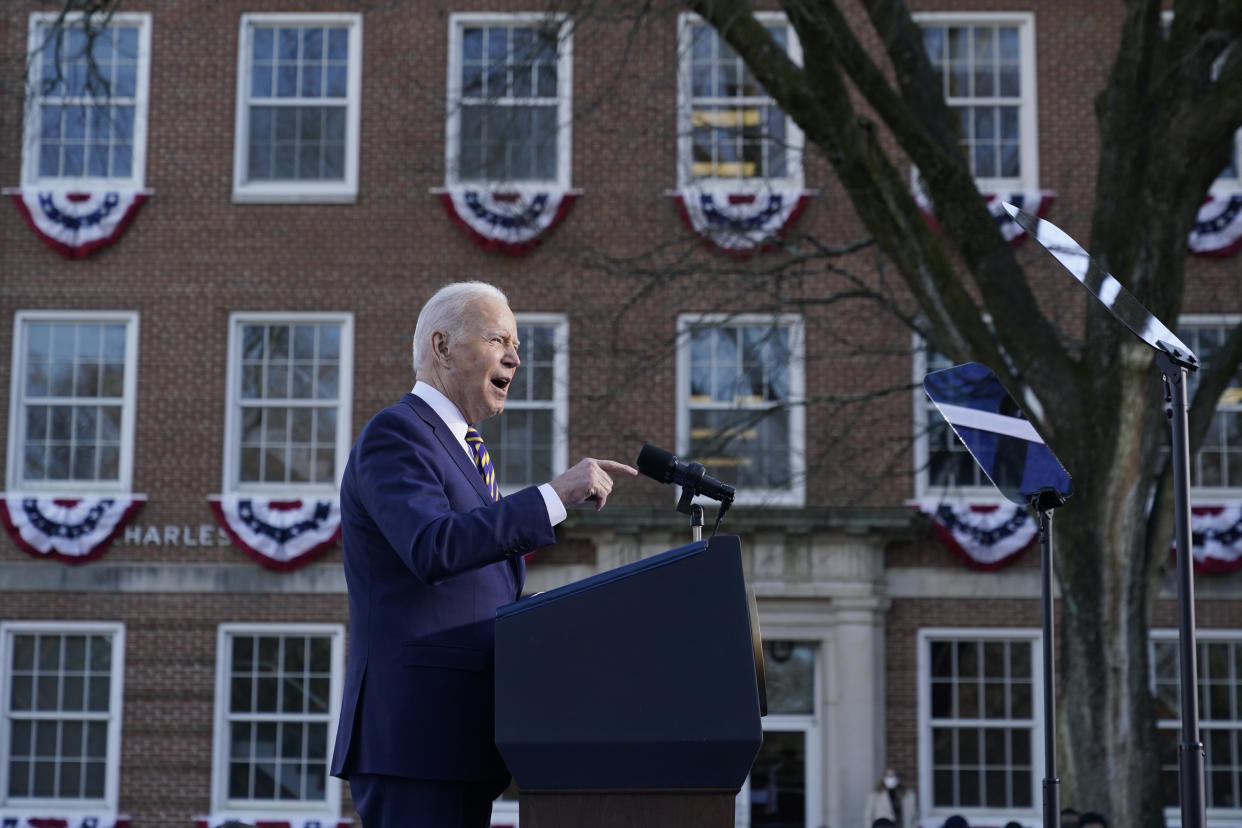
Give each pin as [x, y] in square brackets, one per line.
[613, 467]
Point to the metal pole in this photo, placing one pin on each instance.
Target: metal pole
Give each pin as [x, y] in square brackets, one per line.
[1190, 752]
[1052, 785]
[696, 523]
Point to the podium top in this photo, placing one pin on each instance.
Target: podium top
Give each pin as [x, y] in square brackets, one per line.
[674, 555]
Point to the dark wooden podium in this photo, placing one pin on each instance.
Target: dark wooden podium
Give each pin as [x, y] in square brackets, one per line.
[633, 698]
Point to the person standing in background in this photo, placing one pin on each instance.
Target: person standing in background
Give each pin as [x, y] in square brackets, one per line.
[891, 800]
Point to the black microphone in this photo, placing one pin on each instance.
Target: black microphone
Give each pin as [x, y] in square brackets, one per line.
[661, 465]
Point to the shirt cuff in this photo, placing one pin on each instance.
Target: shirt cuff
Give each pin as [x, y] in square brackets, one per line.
[556, 509]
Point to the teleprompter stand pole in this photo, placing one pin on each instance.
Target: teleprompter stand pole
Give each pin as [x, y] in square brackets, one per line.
[1190, 752]
[1043, 502]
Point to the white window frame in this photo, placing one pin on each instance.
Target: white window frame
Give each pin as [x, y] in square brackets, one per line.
[17, 397]
[923, 411]
[559, 406]
[1028, 123]
[564, 94]
[794, 138]
[1173, 814]
[220, 801]
[1210, 493]
[983, 816]
[112, 773]
[275, 192]
[232, 483]
[30, 142]
[795, 495]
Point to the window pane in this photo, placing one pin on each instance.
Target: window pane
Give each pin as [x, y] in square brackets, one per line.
[972, 765]
[267, 753]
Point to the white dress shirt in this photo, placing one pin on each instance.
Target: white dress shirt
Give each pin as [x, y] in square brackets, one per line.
[452, 417]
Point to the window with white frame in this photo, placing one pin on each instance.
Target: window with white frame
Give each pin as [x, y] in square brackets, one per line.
[72, 400]
[60, 735]
[1219, 660]
[86, 108]
[278, 693]
[528, 442]
[729, 127]
[290, 383]
[1217, 466]
[986, 63]
[509, 99]
[783, 788]
[740, 392]
[980, 741]
[298, 100]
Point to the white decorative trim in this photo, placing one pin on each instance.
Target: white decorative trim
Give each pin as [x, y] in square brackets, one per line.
[72, 530]
[740, 221]
[43, 819]
[279, 533]
[1217, 230]
[221, 820]
[986, 537]
[512, 220]
[76, 223]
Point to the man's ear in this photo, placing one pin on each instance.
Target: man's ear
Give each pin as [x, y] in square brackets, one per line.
[440, 346]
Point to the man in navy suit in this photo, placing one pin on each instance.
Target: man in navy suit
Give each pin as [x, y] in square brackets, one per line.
[430, 553]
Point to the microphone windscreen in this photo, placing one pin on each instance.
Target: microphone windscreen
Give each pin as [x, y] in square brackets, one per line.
[655, 462]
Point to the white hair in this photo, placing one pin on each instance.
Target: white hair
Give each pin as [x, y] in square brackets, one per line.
[448, 310]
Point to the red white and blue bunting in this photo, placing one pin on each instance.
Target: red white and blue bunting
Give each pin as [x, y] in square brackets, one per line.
[736, 222]
[11, 820]
[69, 530]
[1217, 230]
[220, 820]
[985, 537]
[76, 224]
[1216, 537]
[280, 534]
[512, 221]
[1035, 202]
[988, 537]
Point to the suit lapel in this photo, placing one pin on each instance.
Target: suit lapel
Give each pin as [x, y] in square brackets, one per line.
[450, 445]
[516, 562]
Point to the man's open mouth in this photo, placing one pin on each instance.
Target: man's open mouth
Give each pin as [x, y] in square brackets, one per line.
[501, 382]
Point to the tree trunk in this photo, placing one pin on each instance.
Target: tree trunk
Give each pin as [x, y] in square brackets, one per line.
[1107, 736]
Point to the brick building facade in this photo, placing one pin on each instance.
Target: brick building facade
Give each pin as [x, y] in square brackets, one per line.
[258, 309]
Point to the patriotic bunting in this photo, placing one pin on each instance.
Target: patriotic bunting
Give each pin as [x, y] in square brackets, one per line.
[1216, 537]
[279, 534]
[1217, 230]
[10, 820]
[1035, 202]
[511, 221]
[76, 224]
[985, 537]
[988, 537]
[69, 530]
[740, 223]
[234, 821]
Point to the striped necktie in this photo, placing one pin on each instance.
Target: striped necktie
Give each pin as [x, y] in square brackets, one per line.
[482, 460]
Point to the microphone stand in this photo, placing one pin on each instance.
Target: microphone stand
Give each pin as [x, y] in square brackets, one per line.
[686, 505]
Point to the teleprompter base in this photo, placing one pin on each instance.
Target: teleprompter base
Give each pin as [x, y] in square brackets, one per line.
[672, 808]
